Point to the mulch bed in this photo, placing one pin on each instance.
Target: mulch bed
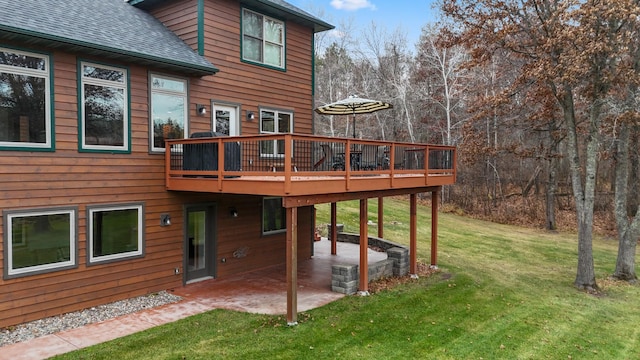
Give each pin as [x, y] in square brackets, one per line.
[423, 270]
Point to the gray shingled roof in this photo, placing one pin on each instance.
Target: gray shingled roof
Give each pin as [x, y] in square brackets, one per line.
[110, 28]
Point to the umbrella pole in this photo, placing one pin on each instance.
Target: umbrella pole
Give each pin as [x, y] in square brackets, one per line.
[354, 123]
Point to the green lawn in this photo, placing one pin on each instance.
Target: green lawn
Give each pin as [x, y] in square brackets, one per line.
[502, 292]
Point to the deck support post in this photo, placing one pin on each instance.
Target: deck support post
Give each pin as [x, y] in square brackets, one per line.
[364, 248]
[292, 266]
[434, 228]
[413, 243]
[334, 228]
[381, 217]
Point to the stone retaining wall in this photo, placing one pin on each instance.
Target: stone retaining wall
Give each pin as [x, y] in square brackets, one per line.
[345, 278]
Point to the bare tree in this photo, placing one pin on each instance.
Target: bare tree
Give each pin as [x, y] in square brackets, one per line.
[626, 132]
[388, 61]
[573, 49]
[444, 78]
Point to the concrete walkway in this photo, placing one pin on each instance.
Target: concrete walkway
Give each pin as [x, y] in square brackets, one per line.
[262, 292]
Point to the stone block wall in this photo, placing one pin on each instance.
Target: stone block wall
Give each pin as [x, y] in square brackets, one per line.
[373, 241]
[400, 257]
[345, 278]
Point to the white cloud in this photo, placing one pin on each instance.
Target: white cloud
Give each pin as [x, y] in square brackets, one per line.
[352, 5]
[337, 34]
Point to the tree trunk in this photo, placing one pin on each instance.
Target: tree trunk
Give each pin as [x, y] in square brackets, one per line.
[552, 188]
[628, 231]
[625, 265]
[552, 179]
[584, 197]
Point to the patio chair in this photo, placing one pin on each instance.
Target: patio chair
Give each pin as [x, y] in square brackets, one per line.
[383, 157]
[329, 159]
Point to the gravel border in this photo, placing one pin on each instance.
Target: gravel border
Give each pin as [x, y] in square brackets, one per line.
[50, 325]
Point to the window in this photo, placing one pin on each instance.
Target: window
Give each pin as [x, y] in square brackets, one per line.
[38, 241]
[262, 39]
[25, 101]
[114, 232]
[104, 109]
[274, 122]
[274, 216]
[168, 110]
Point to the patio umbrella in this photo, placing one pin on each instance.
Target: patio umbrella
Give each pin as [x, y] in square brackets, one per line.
[353, 105]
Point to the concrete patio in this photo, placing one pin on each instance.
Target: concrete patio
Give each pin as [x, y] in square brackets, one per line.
[263, 291]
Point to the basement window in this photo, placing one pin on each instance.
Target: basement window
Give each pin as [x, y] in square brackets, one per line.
[39, 241]
[274, 216]
[115, 232]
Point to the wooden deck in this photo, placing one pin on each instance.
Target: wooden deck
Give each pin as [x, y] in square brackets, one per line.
[299, 165]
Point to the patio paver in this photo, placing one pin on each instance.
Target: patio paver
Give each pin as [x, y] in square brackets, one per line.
[262, 292]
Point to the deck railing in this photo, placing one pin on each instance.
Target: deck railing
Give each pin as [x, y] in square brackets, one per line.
[292, 155]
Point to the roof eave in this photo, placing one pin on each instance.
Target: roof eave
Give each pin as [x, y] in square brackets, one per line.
[316, 24]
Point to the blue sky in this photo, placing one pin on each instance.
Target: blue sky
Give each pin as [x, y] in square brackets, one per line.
[409, 16]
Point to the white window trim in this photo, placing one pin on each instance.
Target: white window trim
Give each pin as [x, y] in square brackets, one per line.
[47, 110]
[106, 83]
[276, 113]
[10, 271]
[262, 218]
[100, 259]
[264, 41]
[184, 94]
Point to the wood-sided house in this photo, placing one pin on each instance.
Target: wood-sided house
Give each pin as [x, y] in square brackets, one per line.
[104, 193]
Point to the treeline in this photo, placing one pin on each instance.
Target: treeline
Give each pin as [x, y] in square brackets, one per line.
[540, 97]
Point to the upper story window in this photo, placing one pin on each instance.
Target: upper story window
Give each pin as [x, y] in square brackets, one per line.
[168, 110]
[274, 122]
[25, 101]
[104, 109]
[38, 241]
[262, 39]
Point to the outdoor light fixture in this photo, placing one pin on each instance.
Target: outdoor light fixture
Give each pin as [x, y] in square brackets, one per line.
[251, 116]
[202, 111]
[233, 212]
[165, 219]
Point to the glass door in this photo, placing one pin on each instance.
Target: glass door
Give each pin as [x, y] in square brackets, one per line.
[225, 119]
[200, 242]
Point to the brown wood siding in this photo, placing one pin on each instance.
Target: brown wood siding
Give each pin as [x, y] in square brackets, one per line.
[69, 178]
[66, 177]
[245, 233]
[180, 17]
[251, 85]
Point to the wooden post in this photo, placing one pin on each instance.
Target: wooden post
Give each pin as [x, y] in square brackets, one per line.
[381, 217]
[334, 228]
[364, 247]
[434, 228]
[288, 151]
[292, 266]
[413, 247]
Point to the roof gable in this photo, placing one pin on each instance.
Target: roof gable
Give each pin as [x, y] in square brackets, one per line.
[109, 28]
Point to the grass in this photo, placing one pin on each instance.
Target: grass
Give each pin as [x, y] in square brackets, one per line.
[502, 293]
